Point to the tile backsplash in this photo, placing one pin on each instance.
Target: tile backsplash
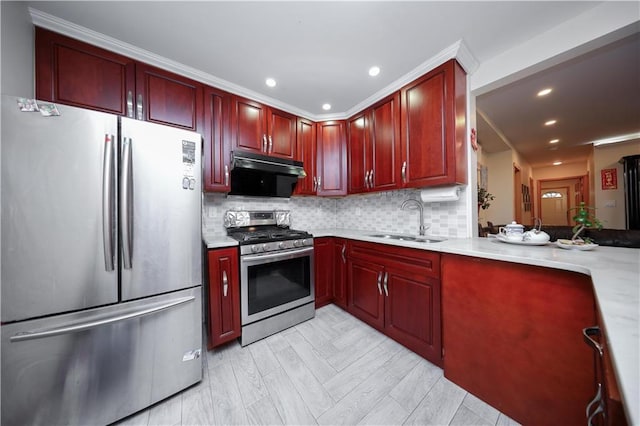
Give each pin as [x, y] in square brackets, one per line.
[378, 211]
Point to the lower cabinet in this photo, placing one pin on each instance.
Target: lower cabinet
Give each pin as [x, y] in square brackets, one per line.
[397, 290]
[340, 272]
[323, 265]
[512, 336]
[224, 296]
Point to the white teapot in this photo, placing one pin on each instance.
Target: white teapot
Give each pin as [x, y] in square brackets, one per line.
[536, 235]
[513, 231]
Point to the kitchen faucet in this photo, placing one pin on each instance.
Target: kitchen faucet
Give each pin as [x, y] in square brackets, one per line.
[419, 206]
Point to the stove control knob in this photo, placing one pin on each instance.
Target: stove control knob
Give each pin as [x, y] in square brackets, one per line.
[265, 247]
[297, 243]
[305, 242]
[281, 245]
[255, 248]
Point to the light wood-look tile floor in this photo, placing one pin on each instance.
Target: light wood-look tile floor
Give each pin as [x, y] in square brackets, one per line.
[333, 369]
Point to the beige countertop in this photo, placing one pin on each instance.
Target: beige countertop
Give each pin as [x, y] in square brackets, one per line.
[614, 271]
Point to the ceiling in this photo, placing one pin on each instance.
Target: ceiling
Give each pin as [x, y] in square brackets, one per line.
[320, 52]
[595, 96]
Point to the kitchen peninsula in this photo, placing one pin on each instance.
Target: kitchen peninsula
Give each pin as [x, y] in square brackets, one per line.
[614, 272]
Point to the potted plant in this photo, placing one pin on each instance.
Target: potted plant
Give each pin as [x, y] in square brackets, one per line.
[484, 198]
[584, 219]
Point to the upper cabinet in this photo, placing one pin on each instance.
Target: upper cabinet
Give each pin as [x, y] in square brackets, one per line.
[75, 73]
[263, 130]
[374, 147]
[217, 143]
[433, 118]
[331, 158]
[166, 98]
[71, 72]
[306, 152]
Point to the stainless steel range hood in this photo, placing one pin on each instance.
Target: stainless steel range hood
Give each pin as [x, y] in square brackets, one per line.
[258, 175]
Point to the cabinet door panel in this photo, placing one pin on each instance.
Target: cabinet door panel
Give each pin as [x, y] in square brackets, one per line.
[217, 161]
[168, 98]
[75, 73]
[332, 158]
[249, 130]
[365, 300]
[340, 272]
[358, 166]
[424, 105]
[385, 143]
[323, 260]
[306, 152]
[282, 131]
[412, 313]
[224, 296]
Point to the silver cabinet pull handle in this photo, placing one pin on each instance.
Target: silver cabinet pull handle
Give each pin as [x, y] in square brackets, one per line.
[371, 179]
[366, 179]
[344, 250]
[596, 399]
[319, 182]
[315, 183]
[599, 410]
[270, 144]
[139, 107]
[225, 283]
[67, 329]
[129, 104]
[592, 331]
[125, 203]
[379, 280]
[264, 143]
[404, 172]
[107, 203]
[384, 284]
[226, 175]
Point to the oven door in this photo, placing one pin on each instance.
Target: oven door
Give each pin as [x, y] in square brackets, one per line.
[272, 283]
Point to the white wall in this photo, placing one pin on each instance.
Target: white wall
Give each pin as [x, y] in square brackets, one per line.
[610, 203]
[17, 70]
[500, 184]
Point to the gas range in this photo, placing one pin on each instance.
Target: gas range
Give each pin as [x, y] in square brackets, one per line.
[264, 231]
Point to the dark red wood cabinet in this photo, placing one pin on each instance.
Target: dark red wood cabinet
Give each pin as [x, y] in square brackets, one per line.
[75, 73]
[217, 142]
[331, 158]
[513, 337]
[263, 130]
[166, 98]
[433, 118]
[323, 265]
[306, 152]
[224, 296]
[374, 147]
[397, 290]
[340, 272]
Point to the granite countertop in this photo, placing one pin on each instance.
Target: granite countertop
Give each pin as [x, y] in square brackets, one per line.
[614, 271]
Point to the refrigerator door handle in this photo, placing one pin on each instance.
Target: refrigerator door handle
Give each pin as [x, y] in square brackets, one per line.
[107, 202]
[125, 203]
[68, 329]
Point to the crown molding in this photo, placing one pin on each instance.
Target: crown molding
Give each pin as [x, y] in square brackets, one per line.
[458, 50]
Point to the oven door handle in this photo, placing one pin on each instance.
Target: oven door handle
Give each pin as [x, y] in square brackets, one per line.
[278, 255]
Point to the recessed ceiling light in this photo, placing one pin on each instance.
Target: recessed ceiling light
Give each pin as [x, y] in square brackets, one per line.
[326, 107]
[554, 141]
[270, 82]
[550, 122]
[557, 163]
[373, 71]
[545, 92]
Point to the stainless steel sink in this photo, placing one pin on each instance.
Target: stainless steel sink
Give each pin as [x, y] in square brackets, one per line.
[409, 238]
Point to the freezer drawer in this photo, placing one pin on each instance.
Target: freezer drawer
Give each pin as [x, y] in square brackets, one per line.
[98, 366]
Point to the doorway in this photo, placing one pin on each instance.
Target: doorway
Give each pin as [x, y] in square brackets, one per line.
[553, 206]
[517, 195]
[555, 195]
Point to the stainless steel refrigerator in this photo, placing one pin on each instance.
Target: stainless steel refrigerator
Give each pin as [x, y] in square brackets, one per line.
[101, 265]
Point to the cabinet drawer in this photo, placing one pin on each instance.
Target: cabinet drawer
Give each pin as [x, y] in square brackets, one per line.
[416, 261]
